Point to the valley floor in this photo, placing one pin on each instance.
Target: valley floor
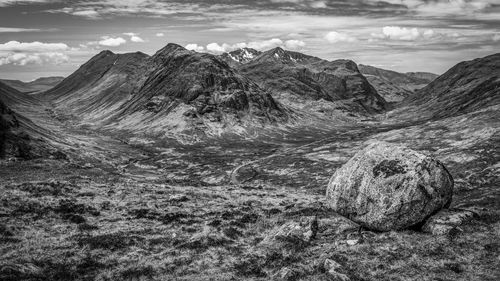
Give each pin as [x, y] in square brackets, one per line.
[130, 208]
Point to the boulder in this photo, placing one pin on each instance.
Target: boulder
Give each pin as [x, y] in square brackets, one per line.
[243, 174]
[388, 187]
[445, 221]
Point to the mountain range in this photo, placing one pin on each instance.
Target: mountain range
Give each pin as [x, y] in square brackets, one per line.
[181, 93]
[395, 86]
[35, 86]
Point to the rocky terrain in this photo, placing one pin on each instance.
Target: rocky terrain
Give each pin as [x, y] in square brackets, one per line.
[175, 92]
[35, 86]
[325, 88]
[122, 195]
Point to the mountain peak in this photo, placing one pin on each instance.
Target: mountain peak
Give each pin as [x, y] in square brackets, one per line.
[171, 48]
[242, 55]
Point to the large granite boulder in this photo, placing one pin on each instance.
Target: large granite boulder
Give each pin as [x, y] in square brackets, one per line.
[387, 187]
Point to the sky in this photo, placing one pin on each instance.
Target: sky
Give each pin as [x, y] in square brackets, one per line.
[40, 38]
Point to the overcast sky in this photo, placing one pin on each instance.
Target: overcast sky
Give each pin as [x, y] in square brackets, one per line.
[54, 37]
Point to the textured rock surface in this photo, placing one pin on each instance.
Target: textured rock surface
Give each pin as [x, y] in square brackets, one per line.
[386, 187]
[445, 221]
[301, 231]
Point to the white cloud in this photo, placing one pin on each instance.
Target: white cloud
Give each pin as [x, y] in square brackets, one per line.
[195, 47]
[335, 37]
[4, 3]
[15, 29]
[134, 37]
[258, 45]
[496, 37]
[405, 34]
[23, 53]
[400, 33]
[218, 49]
[15, 46]
[294, 44]
[111, 42]
[160, 34]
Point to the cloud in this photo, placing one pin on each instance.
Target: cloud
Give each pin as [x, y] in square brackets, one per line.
[16, 29]
[294, 44]
[111, 42]
[195, 47]
[496, 37]
[134, 37]
[215, 48]
[24, 53]
[316, 4]
[335, 37]
[4, 3]
[405, 34]
[400, 33]
[160, 34]
[15, 46]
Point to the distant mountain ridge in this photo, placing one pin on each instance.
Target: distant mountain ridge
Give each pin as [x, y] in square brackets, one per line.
[301, 80]
[19, 136]
[467, 87]
[395, 86]
[174, 90]
[38, 85]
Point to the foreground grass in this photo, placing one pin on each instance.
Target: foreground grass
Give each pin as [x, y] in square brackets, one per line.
[88, 224]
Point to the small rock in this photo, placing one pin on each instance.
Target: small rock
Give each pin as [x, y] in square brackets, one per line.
[331, 265]
[243, 174]
[178, 198]
[387, 187]
[303, 230]
[446, 221]
[352, 242]
[287, 274]
[88, 166]
[335, 276]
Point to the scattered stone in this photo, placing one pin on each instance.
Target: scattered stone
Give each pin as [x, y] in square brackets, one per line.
[301, 231]
[88, 166]
[387, 187]
[74, 218]
[178, 198]
[335, 276]
[287, 274]
[352, 242]
[243, 174]
[11, 271]
[331, 265]
[445, 221]
[336, 225]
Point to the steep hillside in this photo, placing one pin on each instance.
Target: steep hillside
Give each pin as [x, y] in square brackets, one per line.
[174, 91]
[189, 90]
[19, 136]
[395, 86]
[467, 87]
[298, 80]
[35, 86]
[99, 87]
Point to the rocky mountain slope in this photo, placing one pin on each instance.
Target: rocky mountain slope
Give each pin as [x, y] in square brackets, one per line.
[99, 87]
[313, 84]
[19, 136]
[467, 87]
[395, 86]
[238, 56]
[35, 86]
[174, 91]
